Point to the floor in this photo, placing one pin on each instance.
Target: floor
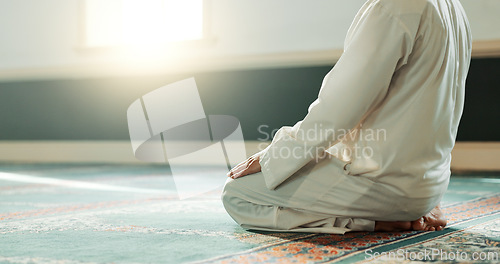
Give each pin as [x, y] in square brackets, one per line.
[110, 213]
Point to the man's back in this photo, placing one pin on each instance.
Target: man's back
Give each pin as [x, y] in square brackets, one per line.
[395, 96]
[423, 105]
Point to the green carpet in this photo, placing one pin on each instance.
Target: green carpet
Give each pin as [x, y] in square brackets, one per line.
[101, 213]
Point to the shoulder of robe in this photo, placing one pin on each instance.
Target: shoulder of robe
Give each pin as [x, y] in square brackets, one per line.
[409, 12]
[404, 7]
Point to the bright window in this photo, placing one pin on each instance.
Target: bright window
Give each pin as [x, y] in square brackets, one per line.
[142, 22]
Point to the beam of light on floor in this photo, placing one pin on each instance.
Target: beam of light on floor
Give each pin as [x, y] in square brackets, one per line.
[486, 180]
[5, 176]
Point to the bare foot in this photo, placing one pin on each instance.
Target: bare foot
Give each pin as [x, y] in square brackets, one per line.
[383, 226]
[432, 221]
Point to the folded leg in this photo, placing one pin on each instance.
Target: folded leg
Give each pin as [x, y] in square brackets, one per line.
[319, 198]
[253, 206]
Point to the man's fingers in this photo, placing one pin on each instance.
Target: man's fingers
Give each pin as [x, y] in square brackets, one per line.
[249, 166]
[244, 172]
[238, 168]
[236, 173]
[241, 171]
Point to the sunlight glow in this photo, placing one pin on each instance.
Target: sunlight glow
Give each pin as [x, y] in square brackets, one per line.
[14, 177]
[136, 22]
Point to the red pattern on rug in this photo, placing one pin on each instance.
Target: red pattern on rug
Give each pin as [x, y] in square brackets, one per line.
[328, 247]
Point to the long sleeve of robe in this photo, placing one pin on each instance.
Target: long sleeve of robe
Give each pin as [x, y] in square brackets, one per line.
[391, 105]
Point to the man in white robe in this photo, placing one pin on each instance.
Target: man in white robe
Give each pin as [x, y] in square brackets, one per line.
[374, 150]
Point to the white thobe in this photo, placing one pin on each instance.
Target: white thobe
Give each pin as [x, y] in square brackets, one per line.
[387, 115]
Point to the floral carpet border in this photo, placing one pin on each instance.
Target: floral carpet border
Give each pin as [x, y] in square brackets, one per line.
[321, 248]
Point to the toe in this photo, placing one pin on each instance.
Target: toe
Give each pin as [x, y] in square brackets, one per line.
[418, 225]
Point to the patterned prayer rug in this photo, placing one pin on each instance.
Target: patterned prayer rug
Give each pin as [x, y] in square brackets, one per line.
[99, 213]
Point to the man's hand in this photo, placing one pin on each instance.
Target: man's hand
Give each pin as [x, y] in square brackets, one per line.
[249, 166]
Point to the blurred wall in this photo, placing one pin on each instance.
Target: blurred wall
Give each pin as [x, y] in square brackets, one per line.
[43, 39]
[47, 35]
[263, 100]
[53, 89]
